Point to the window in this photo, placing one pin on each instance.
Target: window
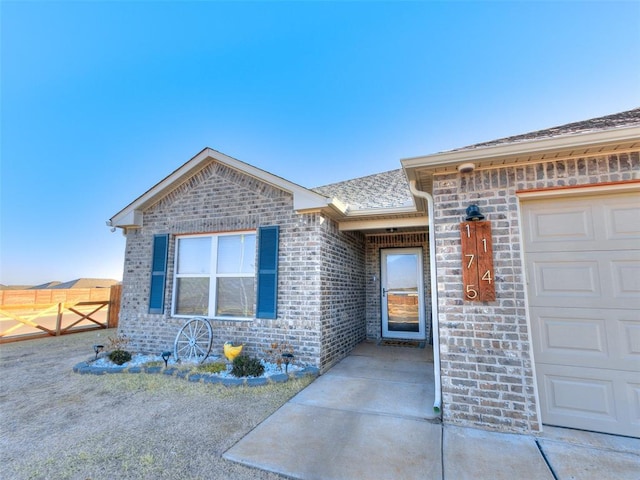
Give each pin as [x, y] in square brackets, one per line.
[215, 275]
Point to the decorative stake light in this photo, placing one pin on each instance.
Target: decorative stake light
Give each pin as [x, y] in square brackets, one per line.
[98, 349]
[287, 358]
[165, 356]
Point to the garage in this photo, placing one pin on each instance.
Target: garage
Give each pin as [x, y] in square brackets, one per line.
[582, 262]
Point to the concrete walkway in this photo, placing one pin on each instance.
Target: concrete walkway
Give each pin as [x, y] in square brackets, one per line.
[371, 416]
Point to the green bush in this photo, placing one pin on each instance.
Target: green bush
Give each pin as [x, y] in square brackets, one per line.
[215, 367]
[119, 356]
[244, 366]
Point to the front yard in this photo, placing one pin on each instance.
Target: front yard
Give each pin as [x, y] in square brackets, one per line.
[60, 425]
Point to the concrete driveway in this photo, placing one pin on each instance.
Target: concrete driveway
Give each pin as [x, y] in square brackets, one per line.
[371, 416]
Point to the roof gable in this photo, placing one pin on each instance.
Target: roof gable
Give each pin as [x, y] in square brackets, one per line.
[132, 215]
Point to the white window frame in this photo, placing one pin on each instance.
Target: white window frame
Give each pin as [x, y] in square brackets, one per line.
[212, 275]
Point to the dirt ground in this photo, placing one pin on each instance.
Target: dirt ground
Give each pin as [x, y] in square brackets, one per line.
[57, 424]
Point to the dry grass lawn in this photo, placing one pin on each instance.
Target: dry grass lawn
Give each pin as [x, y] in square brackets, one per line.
[56, 424]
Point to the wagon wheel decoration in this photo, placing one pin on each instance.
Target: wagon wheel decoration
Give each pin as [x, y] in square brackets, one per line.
[193, 342]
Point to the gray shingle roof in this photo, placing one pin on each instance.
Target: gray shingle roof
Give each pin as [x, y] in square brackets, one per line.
[381, 190]
[617, 120]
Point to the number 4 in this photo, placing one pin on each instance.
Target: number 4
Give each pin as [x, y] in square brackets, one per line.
[487, 276]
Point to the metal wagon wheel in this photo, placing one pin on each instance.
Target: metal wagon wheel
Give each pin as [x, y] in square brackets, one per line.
[193, 342]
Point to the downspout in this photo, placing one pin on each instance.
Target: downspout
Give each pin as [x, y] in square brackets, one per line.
[437, 404]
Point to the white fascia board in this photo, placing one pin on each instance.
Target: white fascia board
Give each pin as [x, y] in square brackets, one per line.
[131, 216]
[383, 223]
[545, 145]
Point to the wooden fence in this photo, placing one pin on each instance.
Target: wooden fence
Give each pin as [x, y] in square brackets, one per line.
[26, 314]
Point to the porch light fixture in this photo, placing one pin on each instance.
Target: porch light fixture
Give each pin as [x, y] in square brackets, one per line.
[473, 213]
[391, 230]
[466, 167]
[287, 358]
[98, 349]
[165, 356]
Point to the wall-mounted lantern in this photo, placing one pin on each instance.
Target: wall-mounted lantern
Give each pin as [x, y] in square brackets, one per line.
[473, 213]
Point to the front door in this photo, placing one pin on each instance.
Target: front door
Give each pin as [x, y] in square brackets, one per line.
[402, 293]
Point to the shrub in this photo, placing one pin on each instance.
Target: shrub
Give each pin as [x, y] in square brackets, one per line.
[118, 347]
[244, 366]
[119, 356]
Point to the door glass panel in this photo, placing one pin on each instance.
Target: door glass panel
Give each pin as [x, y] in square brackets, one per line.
[402, 293]
[403, 312]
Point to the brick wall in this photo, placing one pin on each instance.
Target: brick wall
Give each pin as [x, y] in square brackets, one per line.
[342, 309]
[220, 199]
[487, 371]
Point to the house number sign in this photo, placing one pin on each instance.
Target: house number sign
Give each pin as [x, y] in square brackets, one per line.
[477, 262]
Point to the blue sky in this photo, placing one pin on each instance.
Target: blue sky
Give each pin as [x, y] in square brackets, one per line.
[101, 100]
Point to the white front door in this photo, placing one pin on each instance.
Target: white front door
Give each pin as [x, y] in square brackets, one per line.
[402, 293]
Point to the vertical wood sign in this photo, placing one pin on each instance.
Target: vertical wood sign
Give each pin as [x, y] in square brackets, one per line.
[477, 262]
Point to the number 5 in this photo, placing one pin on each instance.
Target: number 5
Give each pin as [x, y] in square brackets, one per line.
[471, 292]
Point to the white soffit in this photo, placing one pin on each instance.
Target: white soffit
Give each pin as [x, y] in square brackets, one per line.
[383, 223]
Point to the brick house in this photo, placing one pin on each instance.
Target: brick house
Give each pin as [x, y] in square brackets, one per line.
[547, 331]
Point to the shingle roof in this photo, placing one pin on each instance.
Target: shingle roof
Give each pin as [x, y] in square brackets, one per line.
[617, 120]
[382, 190]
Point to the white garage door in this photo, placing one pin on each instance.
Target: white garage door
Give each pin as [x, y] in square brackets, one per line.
[582, 258]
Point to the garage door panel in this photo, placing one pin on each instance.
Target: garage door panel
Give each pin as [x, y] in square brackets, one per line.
[549, 224]
[623, 220]
[586, 396]
[563, 278]
[590, 399]
[561, 337]
[598, 279]
[602, 222]
[597, 338]
[630, 340]
[582, 261]
[626, 279]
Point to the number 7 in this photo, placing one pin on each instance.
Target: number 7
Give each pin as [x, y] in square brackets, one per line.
[471, 259]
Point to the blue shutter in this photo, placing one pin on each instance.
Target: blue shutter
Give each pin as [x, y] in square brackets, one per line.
[158, 273]
[266, 303]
